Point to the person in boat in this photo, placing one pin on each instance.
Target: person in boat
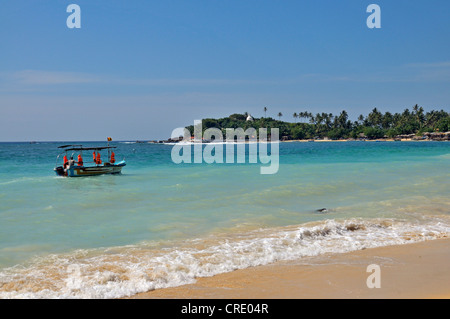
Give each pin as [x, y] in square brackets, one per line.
[113, 158]
[71, 162]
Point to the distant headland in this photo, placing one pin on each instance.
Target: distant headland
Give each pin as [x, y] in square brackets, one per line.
[414, 124]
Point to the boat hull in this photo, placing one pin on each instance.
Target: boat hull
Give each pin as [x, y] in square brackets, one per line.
[82, 171]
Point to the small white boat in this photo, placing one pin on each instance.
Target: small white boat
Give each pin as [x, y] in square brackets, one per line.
[79, 168]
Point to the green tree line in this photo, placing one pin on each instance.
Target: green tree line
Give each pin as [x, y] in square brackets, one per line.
[307, 125]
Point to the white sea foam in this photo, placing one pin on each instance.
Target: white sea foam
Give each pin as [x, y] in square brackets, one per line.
[124, 271]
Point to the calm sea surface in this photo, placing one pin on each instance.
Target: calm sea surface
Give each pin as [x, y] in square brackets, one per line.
[161, 224]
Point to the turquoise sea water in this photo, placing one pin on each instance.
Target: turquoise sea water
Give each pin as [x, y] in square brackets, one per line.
[161, 224]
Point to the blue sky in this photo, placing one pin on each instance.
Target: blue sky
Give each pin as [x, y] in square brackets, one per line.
[136, 70]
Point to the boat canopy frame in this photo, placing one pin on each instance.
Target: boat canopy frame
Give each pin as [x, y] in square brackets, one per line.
[89, 148]
[74, 148]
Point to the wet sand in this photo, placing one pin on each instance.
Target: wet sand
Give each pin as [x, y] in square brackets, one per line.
[419, 270]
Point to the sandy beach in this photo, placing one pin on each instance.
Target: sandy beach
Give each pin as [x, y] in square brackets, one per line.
[411, 271]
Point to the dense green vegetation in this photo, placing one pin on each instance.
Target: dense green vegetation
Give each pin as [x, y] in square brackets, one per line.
[305, 125]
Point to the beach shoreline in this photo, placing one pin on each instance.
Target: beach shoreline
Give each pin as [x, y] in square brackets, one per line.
[410, 271]
[298, 141]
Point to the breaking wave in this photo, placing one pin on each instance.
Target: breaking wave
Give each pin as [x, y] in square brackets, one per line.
[124, 271]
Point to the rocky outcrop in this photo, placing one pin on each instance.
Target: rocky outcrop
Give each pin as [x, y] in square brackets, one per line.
[437, 136]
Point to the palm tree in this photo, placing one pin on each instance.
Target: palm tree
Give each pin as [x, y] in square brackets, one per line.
[295, 115]
[342, 119]
[420, 117]
[319, 118]
[301, 115]
[431, 118]
[305, 115]
[386, 121]
[280, 115]
[374, 117]
[328, 120]
[361, 118]
[265, 110]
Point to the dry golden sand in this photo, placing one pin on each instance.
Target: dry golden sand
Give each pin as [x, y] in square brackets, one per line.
[419, 270]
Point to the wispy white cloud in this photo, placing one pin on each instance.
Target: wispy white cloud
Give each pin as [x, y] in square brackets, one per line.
[37, 77]
[183, 81]
[445, 64]
[52, 81]
[29, 78]
[39, 80]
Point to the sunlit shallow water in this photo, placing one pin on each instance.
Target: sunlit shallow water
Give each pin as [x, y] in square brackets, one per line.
[160, 224]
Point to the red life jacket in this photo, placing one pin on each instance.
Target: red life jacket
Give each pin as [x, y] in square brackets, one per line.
[80, 160]
[99, 161]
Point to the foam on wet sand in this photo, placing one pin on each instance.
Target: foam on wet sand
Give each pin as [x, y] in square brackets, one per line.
[417, 270]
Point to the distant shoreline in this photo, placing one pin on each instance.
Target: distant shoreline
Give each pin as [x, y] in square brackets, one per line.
[445, 138]
[281, 141]
[427, 136]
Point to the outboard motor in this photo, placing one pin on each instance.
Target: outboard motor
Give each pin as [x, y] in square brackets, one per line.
[59, 171]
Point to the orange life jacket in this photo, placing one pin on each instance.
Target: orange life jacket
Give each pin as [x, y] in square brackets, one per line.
[99, 161]
[113, 158]
[65, 159]
[80, 160]
[93, 157]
